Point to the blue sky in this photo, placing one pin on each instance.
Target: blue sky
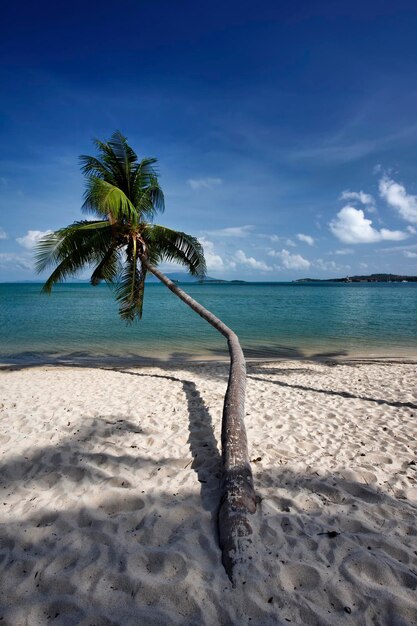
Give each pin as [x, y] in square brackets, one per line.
[286, 132]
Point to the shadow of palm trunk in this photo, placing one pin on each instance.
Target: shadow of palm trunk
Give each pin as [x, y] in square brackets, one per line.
[203, 447]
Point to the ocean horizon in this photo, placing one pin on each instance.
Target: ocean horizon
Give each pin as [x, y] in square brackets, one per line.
[273, 320]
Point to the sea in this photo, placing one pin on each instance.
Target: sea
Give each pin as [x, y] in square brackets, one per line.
[79, 322]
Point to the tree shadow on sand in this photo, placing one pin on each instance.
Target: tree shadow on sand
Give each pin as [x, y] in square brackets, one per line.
[278, 371]
[79, 358]
[326, 544]
[206, 458]
[323, 544]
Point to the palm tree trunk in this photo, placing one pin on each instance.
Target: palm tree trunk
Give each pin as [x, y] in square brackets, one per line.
[237, 491]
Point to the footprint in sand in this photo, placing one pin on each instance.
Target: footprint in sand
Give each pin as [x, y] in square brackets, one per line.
[371, 570]
[168, 565]
[299, 576]
[114, 505]
[46, 520]
[119, 481]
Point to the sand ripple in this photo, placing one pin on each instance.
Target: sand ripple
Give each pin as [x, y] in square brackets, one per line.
[109, 484]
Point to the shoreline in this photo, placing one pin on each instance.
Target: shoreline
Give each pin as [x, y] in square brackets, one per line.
[110, 484]
[167, 361]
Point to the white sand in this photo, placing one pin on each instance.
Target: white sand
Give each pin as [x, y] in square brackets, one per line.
[109, 487]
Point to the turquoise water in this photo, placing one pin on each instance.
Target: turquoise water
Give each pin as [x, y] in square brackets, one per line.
[272, 319]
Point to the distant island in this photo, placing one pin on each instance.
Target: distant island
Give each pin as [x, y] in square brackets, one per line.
[372, 278]
[183, 277]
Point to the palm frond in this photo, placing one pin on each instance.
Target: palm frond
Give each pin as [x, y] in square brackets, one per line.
[72, 248]
[149, 202]
[123, 152]
[116, 164]
[119, 158]
[146, 192]
[156, 195]
[165, 244]
[91, 166]
[103, 198]
[109, 267]
[131, 287]
[143, 174]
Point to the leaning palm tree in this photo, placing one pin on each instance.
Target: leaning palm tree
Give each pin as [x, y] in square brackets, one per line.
[120, 246]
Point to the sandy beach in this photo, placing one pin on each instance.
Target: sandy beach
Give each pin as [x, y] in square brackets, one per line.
[109, 488]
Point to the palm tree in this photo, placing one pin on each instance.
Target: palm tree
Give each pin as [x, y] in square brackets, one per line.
[121, 245]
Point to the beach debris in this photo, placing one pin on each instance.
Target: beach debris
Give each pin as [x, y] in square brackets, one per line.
[347, 609]
[259, 458]
[330, 533]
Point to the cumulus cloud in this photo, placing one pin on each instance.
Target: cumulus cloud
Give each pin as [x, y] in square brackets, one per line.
[396, 195]
[330, 266]
[277, 239]
[344, 251]
[214, 261]
[398, 248]
[290, 261]
[233, 231]
[306, 238]
[294, 261]
[360, 196]
[410, 255]
[32, 237]
[14, 261]
[204, 183]
[241, 258]
[351, 226]
[3, 234]
[273, 238]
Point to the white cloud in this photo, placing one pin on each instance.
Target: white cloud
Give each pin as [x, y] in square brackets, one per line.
[214, 261]
[204, 183]
[360, 196]
[32, 237]
[306, 238]
[234, 231]
[410, 255]
[396, 195]
[290, 261]
[411, 230]
[14, 261]
[277, 239]
[330, 266]
[3, 234]
[344, 251]
[398, 248]
[241, 258]
[351, 226]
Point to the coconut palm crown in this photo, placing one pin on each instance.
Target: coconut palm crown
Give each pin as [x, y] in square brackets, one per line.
[122, 241]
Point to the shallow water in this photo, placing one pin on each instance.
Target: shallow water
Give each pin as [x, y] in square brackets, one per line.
[271, 319]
